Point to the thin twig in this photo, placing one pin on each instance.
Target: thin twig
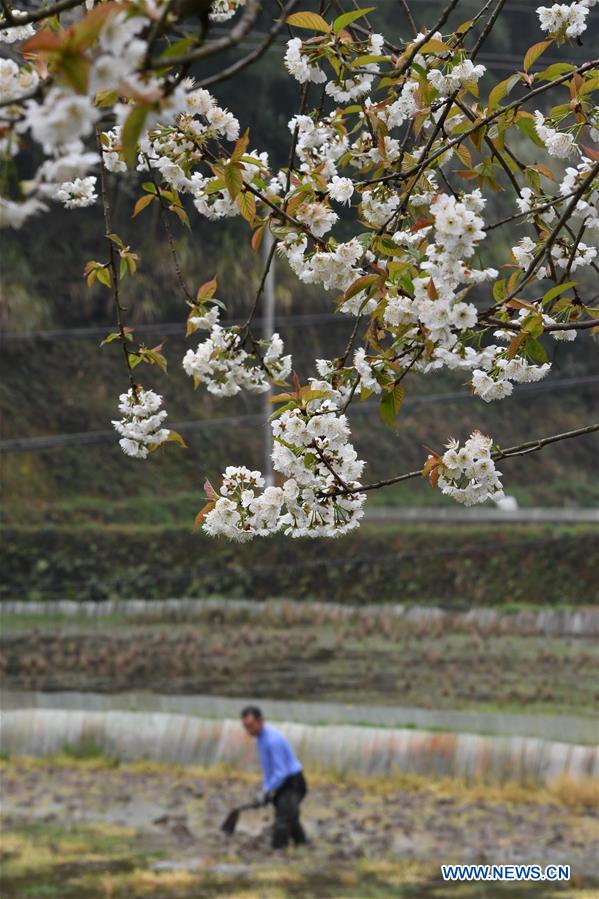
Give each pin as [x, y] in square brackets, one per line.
[169, 233]
[409, 16]
[37, 15]
[112, 264]
[558, 326]
[267, 265]
[256, 54]
[515, 104]
[521, 450]
[234, 37]
[534, 211]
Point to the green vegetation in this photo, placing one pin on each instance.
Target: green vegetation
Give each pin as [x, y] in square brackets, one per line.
[486, 565]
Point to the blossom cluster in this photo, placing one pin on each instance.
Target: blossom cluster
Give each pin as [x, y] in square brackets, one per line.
[226, 368]
[313, 454]
[15, 80]
[560, 144]
[141, 426]
[19, 32]
[468, 473]
[565, 20]
[222, 10]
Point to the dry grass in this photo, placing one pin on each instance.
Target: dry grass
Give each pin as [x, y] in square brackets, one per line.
[572, 793]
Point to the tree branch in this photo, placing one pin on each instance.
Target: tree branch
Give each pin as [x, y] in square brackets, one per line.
[559, 326]
[515, 104]
[409, 16]
[233, 38]
[256, 54]
[521, 449]
[39, 14]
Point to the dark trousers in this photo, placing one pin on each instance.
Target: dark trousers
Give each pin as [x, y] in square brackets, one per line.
[287, 801]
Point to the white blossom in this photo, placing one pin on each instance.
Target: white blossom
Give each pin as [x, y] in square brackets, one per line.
[563, 19]
[341, 189]
[222, 10]
[17, 32]
[140, 428]
[468, 473]
[297, 65]
[226, 367]
[558, 143]
[78, 193]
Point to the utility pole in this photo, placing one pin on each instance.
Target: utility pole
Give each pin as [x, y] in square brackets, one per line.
[267, 332]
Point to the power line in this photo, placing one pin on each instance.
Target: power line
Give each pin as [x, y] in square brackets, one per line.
[60, 441]
[166, 328]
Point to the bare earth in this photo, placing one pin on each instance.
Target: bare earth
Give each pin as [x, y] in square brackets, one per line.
[90, 828]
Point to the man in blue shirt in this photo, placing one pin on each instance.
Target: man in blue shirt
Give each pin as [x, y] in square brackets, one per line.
[284, 782]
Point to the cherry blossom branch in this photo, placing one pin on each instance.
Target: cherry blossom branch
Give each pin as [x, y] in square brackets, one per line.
[534, 211]
[558, 326]
[515, 104]
[521, 449]
[548, 244]
[487, 30]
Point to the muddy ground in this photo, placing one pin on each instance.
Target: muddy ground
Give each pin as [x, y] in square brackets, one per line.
[85, 829]
[379, 661]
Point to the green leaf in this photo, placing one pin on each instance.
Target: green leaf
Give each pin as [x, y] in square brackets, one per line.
[74, 69]
[175, 437]
[309, 20]
[501, 90]
[114, 336]
[535, 350]
[240, 146]
[153, 357]
[367, 59]
[499, 293]
[434, 46]
[527, 126]
[233, 179]
[246, 203]
[554, 292]
[179, 47]
[103, 276]
[207, 290]
[555, 70]
[362, 283]
[131, 133]
[349, 17]
[533, 53]
[214, 185]
[391, 404]
[532, 325]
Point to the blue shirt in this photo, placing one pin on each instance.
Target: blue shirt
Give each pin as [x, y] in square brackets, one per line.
[277, 759]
